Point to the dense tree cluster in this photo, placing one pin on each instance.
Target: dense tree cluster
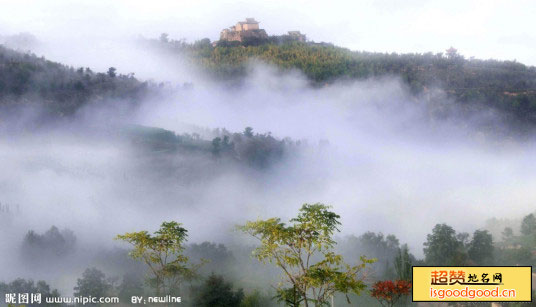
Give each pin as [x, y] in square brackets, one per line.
[446, 247]
[216, 292]
[518, 248]
[257, 150]
[53, 244]
[508, 86]
[61, 90]
[93, 283]
[26, 79]
[383, 247]
[217, 257]
[303, 249]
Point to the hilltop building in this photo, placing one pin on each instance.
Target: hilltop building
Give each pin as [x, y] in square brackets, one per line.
[243, 30]
[249, 29]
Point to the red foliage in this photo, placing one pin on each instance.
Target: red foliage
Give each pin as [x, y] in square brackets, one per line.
[389, 292]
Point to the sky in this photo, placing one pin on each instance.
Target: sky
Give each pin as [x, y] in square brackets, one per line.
[483, 29]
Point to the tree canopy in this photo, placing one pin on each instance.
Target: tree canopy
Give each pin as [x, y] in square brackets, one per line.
[304, 251]
[442, 247]
[507, 86]
[163, 253]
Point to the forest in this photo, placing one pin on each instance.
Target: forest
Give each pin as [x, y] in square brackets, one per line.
[507, 86]
[358, 269]
[58, 90]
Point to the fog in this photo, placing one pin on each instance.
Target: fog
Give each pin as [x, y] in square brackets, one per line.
[385, 165]
[392, 163]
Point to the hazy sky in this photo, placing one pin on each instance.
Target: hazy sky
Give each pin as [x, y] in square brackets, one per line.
[484, 29]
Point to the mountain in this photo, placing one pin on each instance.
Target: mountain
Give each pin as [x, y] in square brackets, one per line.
[59, 90]
[507, 86]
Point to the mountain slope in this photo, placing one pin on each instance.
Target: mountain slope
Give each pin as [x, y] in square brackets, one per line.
[507, 86]
[26, 79]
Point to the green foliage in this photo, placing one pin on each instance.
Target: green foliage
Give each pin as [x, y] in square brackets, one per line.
[528, 226]
[481, 248]
[216, 292]
[504, 85]
[252, 149]
[130, 286]
[256, 299]
[217, 257]
[291, 296]
[507, 233]
[518, 249]
[443, 247]
[27, 80]
[382, 247]
[403, 263]
[163, 253]
[93, 283]
[304, 252]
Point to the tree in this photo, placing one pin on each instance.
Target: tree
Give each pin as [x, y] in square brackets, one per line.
[129, 287]
[216, 256]
[93, 283]
[304, 251]
[216, 146]
[112, 72]
[383, 248]
[403, 263]
[463, 237]
[248, 131]
[164, 38]
[388, 293]
[442, 247]
[216, 292]
[163, 253]
[53, 244]
[481, 248]
[256, 299]
[291, 296]
[507, 233]
[452, 53]
[528, 226]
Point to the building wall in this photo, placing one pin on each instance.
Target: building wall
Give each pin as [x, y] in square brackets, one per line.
[231, 36]
[260, 33]
[251, 26]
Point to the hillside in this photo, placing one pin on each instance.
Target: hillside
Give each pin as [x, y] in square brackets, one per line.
[507, 86]
[59, 91]
[26, 79]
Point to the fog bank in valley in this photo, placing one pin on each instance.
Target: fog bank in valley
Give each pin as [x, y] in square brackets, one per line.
[387, 161]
